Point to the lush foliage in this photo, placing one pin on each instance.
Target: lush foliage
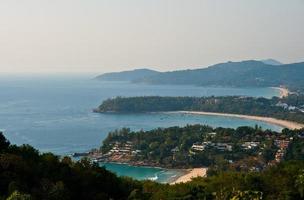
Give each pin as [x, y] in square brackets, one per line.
[46, 176]
[281, 182]
[172, 147]
[27, 175]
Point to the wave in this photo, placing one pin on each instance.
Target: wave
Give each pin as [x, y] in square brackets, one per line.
[153, 178]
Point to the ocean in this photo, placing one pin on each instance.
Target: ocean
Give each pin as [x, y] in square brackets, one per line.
[54, 114]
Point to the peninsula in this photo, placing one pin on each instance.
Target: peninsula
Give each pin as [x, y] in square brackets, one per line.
[287, 112]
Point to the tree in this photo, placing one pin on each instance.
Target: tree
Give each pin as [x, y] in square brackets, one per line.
[57, 192]
[247, 195]
[4, 143]
[135, 195]
[300, 183]
[19, 196]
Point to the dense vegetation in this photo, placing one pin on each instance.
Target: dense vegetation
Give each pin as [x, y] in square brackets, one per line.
[238, 74]
[172, 147]
[27, 175]
[229, 104]
[46, 176]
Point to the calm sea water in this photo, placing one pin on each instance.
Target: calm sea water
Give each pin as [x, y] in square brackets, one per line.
[55, 113]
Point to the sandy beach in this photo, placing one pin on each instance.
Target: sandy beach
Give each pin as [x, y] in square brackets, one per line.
[284, 92]
[279, 122]
[192, 173]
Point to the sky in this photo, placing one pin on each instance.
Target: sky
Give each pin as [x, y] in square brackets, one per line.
[80, 36]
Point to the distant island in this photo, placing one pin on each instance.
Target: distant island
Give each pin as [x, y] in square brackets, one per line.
[127, 75]
[250, 73]
[290, 108]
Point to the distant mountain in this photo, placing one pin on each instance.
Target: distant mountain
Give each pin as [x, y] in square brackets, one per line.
[250, 73]
[237, 74]
[127, 75]
[271, 62]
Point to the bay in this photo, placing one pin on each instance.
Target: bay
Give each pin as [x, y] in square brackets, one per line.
[55, 114]
[143, 173]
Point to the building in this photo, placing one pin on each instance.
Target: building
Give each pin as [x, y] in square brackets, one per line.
[223, 146]
[250, 145]
[198, 147]
[212, 134]
[282, 105]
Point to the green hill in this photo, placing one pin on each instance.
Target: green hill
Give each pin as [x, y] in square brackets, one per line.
[250, 73]
[239, 74]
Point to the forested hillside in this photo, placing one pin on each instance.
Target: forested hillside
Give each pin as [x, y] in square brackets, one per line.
[289, 108]
[249, 73]
[26, 174]
[238, 74]
[243, 149]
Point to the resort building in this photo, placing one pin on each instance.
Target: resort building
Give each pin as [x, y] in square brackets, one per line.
[198, 147]
[223, 146]
[250, 145]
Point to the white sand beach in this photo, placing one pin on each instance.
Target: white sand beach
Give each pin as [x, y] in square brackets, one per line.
[284, 92]
[286, 124]
[192, 173]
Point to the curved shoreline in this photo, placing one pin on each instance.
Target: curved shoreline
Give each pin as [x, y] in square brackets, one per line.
[183, 176]
[270, 120]
[284, 92]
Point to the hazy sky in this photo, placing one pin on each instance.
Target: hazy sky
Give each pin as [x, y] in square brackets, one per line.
[111, 35]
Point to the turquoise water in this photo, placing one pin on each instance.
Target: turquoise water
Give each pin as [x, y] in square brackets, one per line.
[55, 113]
[143, 173]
